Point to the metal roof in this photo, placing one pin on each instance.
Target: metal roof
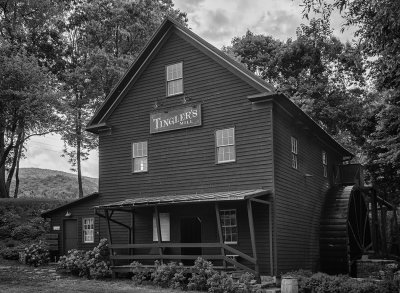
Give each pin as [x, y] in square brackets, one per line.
[187, 198]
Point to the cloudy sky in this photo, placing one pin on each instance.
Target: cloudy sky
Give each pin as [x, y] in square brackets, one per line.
[217, 21]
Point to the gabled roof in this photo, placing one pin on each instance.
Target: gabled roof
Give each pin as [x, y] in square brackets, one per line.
[97, 123]
[47, 214]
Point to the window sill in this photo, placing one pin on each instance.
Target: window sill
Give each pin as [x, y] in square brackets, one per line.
[174, 95]
[225, 162]
[231, 243]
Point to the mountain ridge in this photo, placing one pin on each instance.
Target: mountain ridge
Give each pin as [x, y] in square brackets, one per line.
[47, 183]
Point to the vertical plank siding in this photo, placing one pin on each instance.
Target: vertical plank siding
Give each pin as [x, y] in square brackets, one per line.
[299, 194]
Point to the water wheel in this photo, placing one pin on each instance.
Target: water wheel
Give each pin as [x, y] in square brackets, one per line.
[345, 230]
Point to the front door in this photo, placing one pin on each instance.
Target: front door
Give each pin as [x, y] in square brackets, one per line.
[190, 233]
[70, 236]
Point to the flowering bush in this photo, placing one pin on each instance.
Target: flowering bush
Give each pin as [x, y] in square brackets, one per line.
[201, 271]
[221, 283]
[140, 273]
[181, 277]
[10, 253]
[37, 254]
[164, 273]
[91, 264]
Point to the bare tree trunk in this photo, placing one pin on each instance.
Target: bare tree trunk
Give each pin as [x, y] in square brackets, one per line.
[14, 162]
[78, 152]
[17, 169]
[3, 191]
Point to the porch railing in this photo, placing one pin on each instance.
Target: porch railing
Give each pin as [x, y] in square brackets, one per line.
[160, 256]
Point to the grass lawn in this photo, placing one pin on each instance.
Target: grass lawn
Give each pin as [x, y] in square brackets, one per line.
[16, 278]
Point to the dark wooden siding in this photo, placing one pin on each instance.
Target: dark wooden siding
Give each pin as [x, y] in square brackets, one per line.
[78, 211]
[299, 197]
[183, 161]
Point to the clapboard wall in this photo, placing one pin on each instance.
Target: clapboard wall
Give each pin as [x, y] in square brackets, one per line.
[299, 194]
[183, 161]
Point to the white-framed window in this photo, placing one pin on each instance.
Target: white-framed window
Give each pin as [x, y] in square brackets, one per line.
[325, 163]
[229, 226]
[225, 144]
[139, 156]
[294, 152]
[88, 230]
[165, 227]
[174, 79]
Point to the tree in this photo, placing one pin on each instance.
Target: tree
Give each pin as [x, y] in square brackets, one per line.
[103, 38]
[27, 108]
[377, 26]
[319, 73]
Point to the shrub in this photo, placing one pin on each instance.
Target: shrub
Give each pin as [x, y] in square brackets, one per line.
[164, 273]
[26, 231]
[91, 264]
[221, 283]
[201, 271]
[37, 254]
[181, 278]
[10, 253]
[140, 273]
[323, 283]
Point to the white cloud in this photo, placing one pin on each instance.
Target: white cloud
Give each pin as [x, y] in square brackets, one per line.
[45, 152]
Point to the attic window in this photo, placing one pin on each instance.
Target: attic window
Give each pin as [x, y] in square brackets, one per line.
[174, 79]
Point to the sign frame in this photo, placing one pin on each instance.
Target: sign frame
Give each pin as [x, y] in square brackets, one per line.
[177, 118]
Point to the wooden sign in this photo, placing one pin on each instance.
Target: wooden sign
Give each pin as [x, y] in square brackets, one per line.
[186, 117]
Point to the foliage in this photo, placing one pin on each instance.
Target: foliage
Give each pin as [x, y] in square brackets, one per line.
[37, 254]
[140, 273]
[322, 75]
[44, 183]
[91, 264]
[221, 283]
[377, 26]
[10, 253]
[163, 274]
[201, 272]
[323, 283]
[181, 278]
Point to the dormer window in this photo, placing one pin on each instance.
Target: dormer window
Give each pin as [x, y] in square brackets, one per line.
[174, 79]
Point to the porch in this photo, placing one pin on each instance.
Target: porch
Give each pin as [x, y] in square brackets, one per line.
[197, 227]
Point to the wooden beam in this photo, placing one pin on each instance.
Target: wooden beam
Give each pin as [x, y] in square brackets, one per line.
[170, 245]
[260, 201]
[110, 241]
[219, 228]
[252, 235]
[271, 254]
[374, 230]
[167, 256]
[114, 221]
[158, 224]
[383, 229]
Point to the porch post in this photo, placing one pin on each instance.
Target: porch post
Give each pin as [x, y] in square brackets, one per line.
[110, 241]
[221, 241]
[252, 236]
[158, 232]
[131, 231]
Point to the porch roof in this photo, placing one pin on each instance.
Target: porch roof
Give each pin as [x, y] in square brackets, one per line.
[187, 198]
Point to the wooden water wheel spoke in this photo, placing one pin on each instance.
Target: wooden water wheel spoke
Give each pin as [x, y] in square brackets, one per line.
[355, 235]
